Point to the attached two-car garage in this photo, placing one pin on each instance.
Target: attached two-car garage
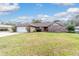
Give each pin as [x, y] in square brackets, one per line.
[21, 29]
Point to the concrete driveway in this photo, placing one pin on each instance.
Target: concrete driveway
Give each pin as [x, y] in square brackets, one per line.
[2, 34]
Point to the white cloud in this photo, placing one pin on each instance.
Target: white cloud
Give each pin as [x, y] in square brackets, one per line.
[23, 17]
[66, 4]
[73, 10]
[26, 18]
[39, 5]
[6, 7]
[69, 13]
[4, 13]
[61, 14]
[42, 15]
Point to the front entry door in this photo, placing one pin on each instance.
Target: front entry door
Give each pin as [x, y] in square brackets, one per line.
[38, 29]
[45, 29]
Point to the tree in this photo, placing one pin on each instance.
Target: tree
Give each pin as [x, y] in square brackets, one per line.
[36, 21]
[75, 19]
[71, 27]
[56, 21]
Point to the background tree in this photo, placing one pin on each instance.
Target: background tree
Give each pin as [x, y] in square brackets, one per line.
[36, 21]
[56, 21]
[71, 26]
[76, 20]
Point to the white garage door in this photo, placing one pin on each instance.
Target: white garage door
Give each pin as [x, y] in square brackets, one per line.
[21, 29]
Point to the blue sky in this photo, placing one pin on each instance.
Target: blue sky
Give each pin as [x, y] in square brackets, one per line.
[26, 10]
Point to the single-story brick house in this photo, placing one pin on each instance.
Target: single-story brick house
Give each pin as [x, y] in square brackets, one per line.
[47, 27]
[35, 27]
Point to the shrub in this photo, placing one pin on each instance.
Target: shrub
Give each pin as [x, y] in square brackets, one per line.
[71, 28]
[14, 29]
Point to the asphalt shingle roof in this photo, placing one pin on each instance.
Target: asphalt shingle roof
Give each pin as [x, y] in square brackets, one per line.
[40, 24]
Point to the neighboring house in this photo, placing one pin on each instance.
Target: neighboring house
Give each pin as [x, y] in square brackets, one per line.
[8, 28]
[77, 29]
[47, 27]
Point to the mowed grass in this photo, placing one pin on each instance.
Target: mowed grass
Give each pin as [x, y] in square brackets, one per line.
[40, 44]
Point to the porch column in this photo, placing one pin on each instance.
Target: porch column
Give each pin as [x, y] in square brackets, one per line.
[42, 29]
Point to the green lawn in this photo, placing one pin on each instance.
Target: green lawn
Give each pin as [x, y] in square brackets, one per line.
[44, 44]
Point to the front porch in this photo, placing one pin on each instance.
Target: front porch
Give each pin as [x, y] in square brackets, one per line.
[38, 29]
